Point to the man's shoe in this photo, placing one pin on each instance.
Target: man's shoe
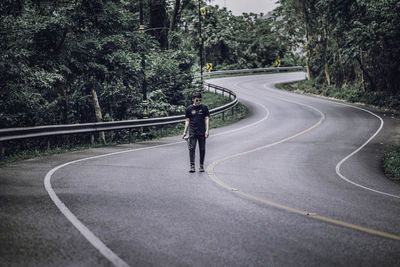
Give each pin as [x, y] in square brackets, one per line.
[201, 169]
[192, 169]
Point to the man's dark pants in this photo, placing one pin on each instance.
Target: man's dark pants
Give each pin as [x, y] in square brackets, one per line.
[193, 139]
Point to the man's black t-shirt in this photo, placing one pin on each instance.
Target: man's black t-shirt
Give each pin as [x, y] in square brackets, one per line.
[197, 115]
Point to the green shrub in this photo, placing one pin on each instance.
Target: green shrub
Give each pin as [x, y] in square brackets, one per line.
[353, 93]
[391, 162]
[34, 147]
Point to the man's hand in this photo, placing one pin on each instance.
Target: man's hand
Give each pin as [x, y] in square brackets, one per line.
[207, 121]
[187, 122]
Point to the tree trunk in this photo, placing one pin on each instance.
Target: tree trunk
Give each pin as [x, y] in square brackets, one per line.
[159, 22]
[65, 104]
[97, 111]
[308, 66]
[326, 69]
[65, 110]
[174, 17]
[303, 7]
[308, 56]
[362, 71]
[365, 73]
[327, 75]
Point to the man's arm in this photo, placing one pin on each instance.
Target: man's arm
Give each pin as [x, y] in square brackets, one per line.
[207, 126]
[186, 127]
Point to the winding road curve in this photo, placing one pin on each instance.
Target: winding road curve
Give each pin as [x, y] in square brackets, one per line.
[297, 183]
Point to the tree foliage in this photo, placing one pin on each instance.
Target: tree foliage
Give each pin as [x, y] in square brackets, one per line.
[79, 61]
[231, 42]
[346, 42]
[55, 53]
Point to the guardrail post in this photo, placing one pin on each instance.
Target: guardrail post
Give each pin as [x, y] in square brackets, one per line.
[130, 136]
[48, 144]
[2, 151]
[66, 140]
[233, 111]
[92, 139]
[223, 116]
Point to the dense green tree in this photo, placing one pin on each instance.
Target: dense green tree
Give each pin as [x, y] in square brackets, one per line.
[346, 42]
[69, 62]
[80, 61]
[246, 41]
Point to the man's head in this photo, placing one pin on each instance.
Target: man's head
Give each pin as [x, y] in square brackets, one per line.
[196, 98]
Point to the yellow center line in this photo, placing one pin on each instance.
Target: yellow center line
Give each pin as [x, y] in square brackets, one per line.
[211, 174]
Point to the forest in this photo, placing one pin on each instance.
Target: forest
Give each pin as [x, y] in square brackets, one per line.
[80, 61]
[351, 48]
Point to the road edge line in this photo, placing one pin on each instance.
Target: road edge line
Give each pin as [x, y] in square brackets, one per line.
[358, 150]
[213, 177]
[89, 236]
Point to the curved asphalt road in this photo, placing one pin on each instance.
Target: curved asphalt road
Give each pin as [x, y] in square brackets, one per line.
[271, 195]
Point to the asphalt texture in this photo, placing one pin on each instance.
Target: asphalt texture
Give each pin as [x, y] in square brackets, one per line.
[246, 210]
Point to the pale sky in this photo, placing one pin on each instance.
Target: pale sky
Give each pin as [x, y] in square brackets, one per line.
[240, 6]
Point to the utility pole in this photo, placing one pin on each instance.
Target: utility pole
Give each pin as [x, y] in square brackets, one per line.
[201, 47]
[145, 102]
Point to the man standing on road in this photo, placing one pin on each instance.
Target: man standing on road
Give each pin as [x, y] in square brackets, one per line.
[198, 121]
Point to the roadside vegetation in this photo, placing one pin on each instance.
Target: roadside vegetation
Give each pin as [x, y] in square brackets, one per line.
[391, 163]
[65, 62]
[349, 94]
[351, 48]
[39, 147]
[378, 100]
[352, 52]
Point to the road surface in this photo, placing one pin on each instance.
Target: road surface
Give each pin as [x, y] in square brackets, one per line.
[297, 183]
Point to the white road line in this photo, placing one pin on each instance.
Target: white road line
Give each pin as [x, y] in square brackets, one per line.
[358, 149]
[108, 253]
[92, 238]
[211, 174]
[210, 169]
[250, 125]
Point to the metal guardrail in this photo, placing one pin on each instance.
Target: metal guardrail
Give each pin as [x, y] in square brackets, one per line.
[9, 134]
[212, 73]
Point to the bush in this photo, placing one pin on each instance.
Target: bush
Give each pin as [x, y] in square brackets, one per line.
[351, 92]
[391, 163]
